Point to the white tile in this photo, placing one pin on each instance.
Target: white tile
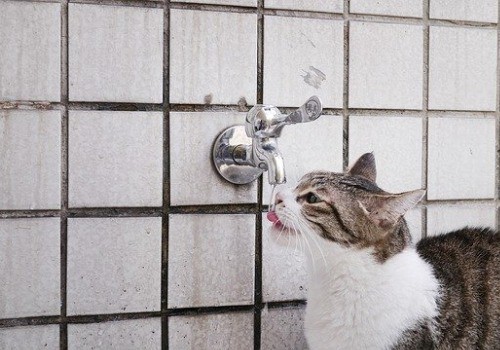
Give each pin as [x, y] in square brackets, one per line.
[445, 218]
[409, 8]
[223, 2]
[114, 265]
[204, 73]
[284, 270]
[30, 58]
[310, 5]
[206, 332]
[283, 328]
[307, 147]
[462, 68]
[468, 10]
[194, 179]
[117, 56]
[396, 143]
[141, 334]
[211, 260]
[30, 154]
[115, 159]
[303, 57]
[29, 267]
[30, 337]
[385, 65]
[461, 158]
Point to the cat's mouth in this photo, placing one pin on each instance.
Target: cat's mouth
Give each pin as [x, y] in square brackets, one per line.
[271, 216]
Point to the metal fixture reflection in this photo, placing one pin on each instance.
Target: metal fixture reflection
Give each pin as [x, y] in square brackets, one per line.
[242, 153]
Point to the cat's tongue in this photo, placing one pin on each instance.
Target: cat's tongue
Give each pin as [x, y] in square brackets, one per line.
[271, 216]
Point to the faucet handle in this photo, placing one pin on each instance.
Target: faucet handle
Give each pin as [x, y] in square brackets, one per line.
[309, 111]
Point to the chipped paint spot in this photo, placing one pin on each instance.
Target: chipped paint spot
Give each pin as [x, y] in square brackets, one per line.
[314, 77]
[208, 99]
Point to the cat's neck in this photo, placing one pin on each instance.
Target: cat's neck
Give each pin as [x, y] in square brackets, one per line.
[348, 287]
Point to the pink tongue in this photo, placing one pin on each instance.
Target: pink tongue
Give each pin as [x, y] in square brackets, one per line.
[271, 216]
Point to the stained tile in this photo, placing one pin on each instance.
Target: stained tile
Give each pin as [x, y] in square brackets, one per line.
[140, 334]
[461, 158]
[223, 2]
[283, 328]
[211, 260]
[307, 147]
[30, 154]
[311, 5]
[303, 57]
[30, 58]
[462, 68]
[30, 337]
[114, 265]
[396, 143]
[443, 218]
[206, 332]
[284, 270]
[221, 74]
[117, 56]
[194, 179]
[409, 8]
[385, 65]
[115, 159]
[467, 10]
[29, 267]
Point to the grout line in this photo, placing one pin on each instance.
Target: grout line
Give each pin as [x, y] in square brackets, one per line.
[257, 307]
[192, 209]
[122, 3]
[212, 7]
[345, 95]
[425, 114]
[166, 175]
[63, 327]
[115, 106]
[144, 107]
[281, 304]
[282, 12]
[99, 318]
[497, 132]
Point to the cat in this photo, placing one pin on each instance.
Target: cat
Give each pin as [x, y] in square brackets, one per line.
[369, 287]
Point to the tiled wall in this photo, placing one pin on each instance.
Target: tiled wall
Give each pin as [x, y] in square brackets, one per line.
[115, 230]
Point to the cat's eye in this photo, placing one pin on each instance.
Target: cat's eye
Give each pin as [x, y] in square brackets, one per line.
[311, 198]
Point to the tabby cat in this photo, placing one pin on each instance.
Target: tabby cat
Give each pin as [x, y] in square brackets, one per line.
[369, 287]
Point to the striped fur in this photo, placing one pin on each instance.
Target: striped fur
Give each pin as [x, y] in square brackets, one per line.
[369, 287]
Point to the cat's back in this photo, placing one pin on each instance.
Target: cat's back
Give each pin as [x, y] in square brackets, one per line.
[467, 264]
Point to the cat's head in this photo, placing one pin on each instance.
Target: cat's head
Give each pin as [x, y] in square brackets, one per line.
[347, 209]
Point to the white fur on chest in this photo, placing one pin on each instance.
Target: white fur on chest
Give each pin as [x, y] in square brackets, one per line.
[355, 302]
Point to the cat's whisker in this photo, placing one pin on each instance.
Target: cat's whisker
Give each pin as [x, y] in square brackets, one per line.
[306, 239]
[318, 244]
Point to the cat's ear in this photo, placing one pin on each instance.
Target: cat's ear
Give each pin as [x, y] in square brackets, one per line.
[365, 167]
[385, 210]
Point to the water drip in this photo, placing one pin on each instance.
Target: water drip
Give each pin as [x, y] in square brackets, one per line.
[272, 200]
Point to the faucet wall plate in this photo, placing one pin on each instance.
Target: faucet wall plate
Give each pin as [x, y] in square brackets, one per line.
[237, 171]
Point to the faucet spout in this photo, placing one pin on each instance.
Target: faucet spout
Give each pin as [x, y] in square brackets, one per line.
[270, 159]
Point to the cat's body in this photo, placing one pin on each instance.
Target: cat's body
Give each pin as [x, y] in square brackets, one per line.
[369, 288]
[355, 302]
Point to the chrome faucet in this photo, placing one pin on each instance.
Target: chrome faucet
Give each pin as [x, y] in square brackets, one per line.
[242, 153]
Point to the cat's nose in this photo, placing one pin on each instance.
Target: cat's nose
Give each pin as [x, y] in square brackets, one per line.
[279, 199]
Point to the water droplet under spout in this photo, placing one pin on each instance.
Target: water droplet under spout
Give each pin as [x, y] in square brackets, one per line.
[272, 200]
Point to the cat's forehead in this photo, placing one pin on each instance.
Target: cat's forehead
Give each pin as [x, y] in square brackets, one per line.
[331, 180]
[319, 179]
